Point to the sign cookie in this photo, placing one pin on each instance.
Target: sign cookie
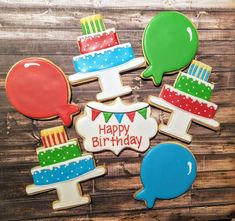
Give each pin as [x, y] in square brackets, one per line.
[103, 58]
[170, 42]
[187, 101]
[63, 167]
[116, 126]
[167, 171]
[39, 89]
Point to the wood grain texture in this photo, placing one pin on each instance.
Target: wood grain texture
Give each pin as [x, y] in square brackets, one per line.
[48, 28]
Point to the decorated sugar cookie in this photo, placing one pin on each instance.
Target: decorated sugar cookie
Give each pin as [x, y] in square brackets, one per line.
[39, 89]
[63, 167]
[170, 42]
[116, 126]
[187, 101]
[167, 171]
[103, 58]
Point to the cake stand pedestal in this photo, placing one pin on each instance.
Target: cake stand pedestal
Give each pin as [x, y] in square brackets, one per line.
[180, 120]
[69, 192]
[109, 79]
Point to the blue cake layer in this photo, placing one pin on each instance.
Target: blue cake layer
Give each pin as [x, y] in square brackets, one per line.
[103, 59]
[63, 171]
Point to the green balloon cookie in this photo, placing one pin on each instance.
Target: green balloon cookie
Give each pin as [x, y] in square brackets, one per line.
[170, 42]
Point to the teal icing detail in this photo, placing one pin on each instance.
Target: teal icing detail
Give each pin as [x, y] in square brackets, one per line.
[167, 171]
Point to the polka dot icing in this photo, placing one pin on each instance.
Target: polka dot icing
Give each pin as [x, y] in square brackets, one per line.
[98, 41]
[188, 103]
[58, 153]
[104, 59]
[63, 171]
[194, 86]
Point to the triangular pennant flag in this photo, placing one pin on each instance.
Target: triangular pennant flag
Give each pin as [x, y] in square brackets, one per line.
[143, 112]
[94, 114]
[107, 116]
[119, 117]
[131, 115]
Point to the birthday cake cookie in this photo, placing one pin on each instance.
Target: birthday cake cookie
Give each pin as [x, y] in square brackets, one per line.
[189, 101]
[62, 167]
[103, 57]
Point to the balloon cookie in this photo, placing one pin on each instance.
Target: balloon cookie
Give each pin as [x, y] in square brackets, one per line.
[167, 171]
[103, 58]
[170, 42]
[116, 126]
[187, 101]
[39, 89]
[63, 167]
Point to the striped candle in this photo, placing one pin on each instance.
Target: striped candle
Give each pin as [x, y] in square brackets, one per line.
[199, 70]
[92, 24]
[53, 136]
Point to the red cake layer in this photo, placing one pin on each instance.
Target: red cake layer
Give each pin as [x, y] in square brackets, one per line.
[97, 41]
[188, 102]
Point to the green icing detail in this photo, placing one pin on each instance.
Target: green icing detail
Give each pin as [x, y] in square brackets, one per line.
[58, 155]
[107, 116]
[170, 42]
[193, 87]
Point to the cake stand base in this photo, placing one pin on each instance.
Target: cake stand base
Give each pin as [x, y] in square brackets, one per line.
[180, 120]
[109, 79]
[69, 192]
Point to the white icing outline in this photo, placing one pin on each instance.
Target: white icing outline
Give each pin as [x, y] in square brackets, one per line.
[147, 128]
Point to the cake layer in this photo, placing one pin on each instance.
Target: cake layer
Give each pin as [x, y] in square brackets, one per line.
[63, 171]
[188, 102]
[103, 59]
[194, 86]
[58, 153]
[98, 41]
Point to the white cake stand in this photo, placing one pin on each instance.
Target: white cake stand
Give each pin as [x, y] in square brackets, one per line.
[180, 120]
[109, 79]
[69, 192]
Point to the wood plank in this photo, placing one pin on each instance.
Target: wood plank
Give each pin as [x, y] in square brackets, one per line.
[47, 47]
[118, 18]
[223, 63]
[121, 202]
[130, 4]
[32, 34]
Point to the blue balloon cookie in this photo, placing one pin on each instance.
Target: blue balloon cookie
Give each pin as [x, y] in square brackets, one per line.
[167, 171]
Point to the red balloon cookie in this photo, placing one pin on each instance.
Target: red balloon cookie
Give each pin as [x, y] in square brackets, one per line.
[39, 89]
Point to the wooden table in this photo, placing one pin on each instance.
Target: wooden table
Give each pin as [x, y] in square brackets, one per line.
[48, 28]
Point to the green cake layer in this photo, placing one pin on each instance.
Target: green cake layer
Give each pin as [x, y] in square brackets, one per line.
[59, 153]
[194, 86]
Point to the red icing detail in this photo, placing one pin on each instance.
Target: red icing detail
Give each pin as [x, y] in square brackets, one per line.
[53, 138]
[49, 141]
[64, 137]
[187, 103]
[39, 89]
[95, 113]
[97, 42]
[131, 115]
[44, 141]
[58, 136]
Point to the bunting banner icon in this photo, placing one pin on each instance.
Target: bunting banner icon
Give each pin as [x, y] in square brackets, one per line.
[119, 115]
[116, 126]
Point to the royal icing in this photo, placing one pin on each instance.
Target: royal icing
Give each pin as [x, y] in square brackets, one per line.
[170, 42]
[98, 41]
[116, 126]
[103, 58]
[63, 167]
[184, 106]
[167, 171]
[39, 89]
